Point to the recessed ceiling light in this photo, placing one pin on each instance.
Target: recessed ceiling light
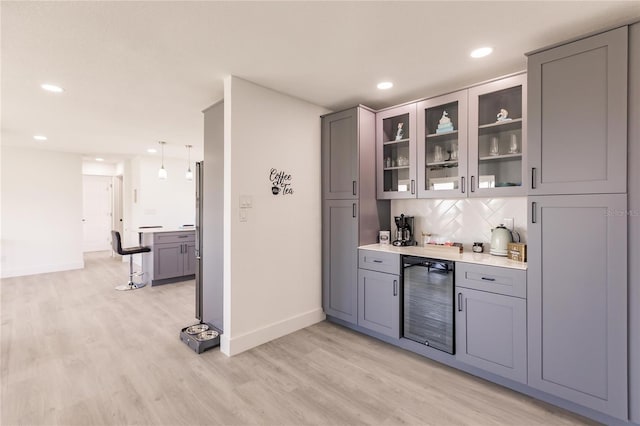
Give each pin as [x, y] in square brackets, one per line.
[481, 52]
[152, 150]
[385, 85]
[52, 88]
[40, 137]
[99, 159]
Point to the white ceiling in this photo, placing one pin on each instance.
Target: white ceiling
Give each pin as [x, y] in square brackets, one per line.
[138, 72]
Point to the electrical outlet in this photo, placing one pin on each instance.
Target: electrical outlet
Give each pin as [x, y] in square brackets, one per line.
[508, 223]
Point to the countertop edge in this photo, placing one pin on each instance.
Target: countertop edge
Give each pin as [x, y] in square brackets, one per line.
[465, 257]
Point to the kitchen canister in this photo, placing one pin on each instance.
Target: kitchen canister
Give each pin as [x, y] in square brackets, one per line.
[384, 237]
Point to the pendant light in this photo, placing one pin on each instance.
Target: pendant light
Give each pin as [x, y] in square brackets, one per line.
[189, 174]
[162, 173]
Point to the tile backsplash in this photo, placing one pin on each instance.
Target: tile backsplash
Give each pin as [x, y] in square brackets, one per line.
[464, 220]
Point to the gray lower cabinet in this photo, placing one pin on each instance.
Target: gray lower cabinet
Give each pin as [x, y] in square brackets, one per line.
[172, 256]
[577, 299]
[379, 302]
[491, 332]
[340, 259]
[577, 134]
[491, 319]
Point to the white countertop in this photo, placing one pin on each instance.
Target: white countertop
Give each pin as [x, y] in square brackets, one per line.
[159, 230]
[467, 257]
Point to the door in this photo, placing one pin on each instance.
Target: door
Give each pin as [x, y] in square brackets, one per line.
[577, 299]
[189, 258]
[491, 332]
[96, 213]
[168, 260]
[340, 155]
[442, 146]
[578, 116]
[340, 259]
[118, 205]
[379, 302]
[396, 152]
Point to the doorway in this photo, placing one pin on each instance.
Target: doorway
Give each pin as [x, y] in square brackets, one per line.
[96, 212]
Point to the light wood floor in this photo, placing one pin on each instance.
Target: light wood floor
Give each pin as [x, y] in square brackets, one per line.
[77, 352]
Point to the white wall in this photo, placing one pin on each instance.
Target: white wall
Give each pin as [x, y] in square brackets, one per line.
[465, 220]
[41, 211]
[95, 168]
[169, 203]
[272, 271]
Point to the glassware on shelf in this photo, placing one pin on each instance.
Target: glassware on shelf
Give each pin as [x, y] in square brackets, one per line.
[454, 151]
[400, 132]
[494, 148]
[513, 144]
[437, 154]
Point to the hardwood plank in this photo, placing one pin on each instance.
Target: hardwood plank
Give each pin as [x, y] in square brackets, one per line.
[76, 352]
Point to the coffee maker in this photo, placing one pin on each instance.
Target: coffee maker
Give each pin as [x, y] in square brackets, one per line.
[404, 231]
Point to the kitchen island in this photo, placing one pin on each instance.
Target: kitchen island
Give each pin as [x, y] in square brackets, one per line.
[172, 257]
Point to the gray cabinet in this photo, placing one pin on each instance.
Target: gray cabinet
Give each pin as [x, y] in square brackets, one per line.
[577, 299]
[498, 143]
[491, 322]
[442, 146]
[172, 257]
[634, 223]
[351, 215]
[396, 152]
[578, 115]
[340, 259]
[340, 155]
[379, 302]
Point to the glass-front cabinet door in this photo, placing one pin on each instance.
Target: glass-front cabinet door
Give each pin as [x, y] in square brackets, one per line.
[396, 158]
[497, 137]
[442, 146]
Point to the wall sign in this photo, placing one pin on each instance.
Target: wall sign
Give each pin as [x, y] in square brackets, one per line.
[280, 182]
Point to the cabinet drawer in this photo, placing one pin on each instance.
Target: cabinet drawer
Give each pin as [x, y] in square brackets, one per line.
[174, 237]
[510, 282]
[379, 261]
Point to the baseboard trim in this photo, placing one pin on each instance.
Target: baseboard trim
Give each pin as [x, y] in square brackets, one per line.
[40, 269]
[233, 345]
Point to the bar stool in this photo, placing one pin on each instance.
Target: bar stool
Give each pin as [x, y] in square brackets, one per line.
[116, 243]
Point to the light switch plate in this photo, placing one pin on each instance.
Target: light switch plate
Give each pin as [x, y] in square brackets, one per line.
[246, 202]
[243, 215]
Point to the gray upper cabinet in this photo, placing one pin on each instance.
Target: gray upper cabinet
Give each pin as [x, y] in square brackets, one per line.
[442, 146]
[497, 137]
[340, 259]
[578, 115]
[340, 155]
[577, 299]
[396, 152]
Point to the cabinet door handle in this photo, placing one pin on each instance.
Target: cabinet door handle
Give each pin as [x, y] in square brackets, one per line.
[354, 210]
[413, 186]
[533, 177]
[459, 302]
[488, 279]
[181, 248]
[395, 287]
[182, 236]
[354, 188]
[473, 184]
[462, 184]
[534, 208]
[377, 261]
